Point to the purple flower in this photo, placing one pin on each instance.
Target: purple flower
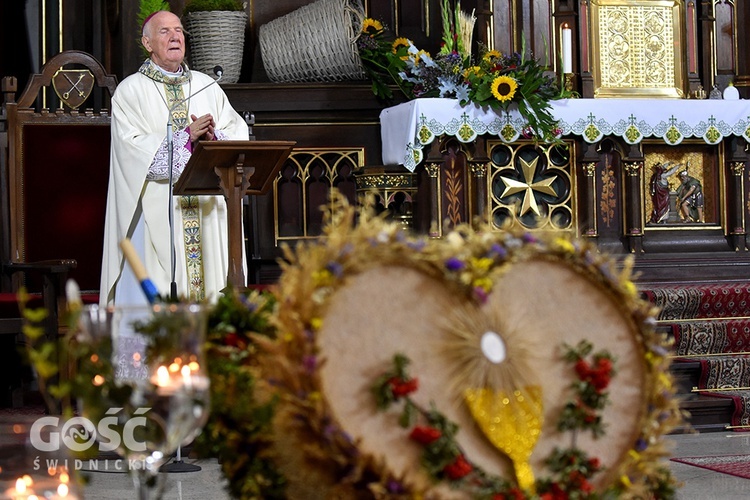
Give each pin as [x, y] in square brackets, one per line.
[529, 238]
[480, 294]
[417, 245]
[346, 249]
[641, 444]
[249, 304]
[309, 362]
[335, 268]
[395, 487]
[454, 264]
[497, 250]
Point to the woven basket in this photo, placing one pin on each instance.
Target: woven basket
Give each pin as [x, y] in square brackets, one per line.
[315, 43]
[217, 38]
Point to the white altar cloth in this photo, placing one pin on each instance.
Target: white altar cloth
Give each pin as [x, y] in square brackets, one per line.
[408, 127]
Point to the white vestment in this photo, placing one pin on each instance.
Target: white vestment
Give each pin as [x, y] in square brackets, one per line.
[137, 207]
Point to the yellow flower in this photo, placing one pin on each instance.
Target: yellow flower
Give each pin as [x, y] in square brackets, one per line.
[481, 264]
[473, 70]
[316, 323]
[491, 54]
[483, 283]
[422, 54]
[322, 277]
[400, 42]
[563, 245]
[504, 88]
[371, 26]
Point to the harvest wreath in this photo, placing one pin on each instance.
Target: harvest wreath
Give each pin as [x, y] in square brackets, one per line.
[495, 359]
[511, 400]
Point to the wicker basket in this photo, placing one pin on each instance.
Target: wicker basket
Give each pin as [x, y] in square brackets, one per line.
[217, 38]
[315, 43]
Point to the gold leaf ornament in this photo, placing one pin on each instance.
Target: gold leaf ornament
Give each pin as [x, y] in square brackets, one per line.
[492, 372]
[512, 422]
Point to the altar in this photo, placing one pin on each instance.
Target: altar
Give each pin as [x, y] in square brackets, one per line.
[478, 165]
[407, 128]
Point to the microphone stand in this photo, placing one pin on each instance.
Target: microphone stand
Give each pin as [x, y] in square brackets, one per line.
[178, 465]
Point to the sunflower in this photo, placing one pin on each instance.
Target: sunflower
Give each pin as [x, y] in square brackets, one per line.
[372, 26]
[491, 54]
[422, 55]
[400, 42]
[504, 88]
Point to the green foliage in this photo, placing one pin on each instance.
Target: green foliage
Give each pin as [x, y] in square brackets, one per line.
[206, 5]
[239, 429]
[146, 8]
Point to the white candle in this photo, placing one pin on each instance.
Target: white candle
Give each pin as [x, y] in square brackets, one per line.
[567, 49]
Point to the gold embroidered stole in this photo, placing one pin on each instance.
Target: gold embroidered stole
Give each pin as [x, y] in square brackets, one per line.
[191, 226]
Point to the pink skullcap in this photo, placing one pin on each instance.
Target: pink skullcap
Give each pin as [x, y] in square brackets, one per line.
[143, 26]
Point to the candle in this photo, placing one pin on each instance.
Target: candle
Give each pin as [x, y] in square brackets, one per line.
[567, 49]
[176, 377]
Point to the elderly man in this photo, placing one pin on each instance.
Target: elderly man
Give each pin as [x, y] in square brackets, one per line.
[139, 195]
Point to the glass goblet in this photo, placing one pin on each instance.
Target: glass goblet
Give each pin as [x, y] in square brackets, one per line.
[142, 383]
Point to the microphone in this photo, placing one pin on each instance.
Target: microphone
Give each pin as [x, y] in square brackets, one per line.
[219, 72]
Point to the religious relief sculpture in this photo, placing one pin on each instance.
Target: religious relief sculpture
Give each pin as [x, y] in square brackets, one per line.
[659, 185]
[690, 196]
[675, 202]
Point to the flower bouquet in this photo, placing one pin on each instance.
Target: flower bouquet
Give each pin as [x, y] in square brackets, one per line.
[494, 80]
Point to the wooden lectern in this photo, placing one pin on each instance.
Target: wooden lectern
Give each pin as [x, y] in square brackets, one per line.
[233, 169]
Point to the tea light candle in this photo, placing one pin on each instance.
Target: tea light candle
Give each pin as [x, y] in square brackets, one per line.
[170, 379]
[567, 49]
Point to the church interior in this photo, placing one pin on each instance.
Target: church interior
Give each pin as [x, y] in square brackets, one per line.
[572, 293]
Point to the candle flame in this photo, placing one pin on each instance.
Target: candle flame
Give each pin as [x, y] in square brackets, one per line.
[162, 376]
[63, 490]
[20, 485]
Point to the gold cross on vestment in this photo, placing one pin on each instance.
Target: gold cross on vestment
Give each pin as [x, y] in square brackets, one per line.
[544, 186]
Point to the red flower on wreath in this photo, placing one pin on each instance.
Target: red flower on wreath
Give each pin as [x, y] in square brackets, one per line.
[458, 469]
[512, 494]
[401, 388]
[425, 435]
[599, 376]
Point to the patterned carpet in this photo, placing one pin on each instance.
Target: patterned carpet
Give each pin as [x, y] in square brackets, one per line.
[712, 325]
[726, 300]
[734, 465]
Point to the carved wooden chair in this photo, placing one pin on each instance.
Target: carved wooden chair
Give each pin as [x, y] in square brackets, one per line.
[55, 169]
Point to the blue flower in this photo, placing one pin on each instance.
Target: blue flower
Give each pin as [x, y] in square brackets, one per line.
[454, 264]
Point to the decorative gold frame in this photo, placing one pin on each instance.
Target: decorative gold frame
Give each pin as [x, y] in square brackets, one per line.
[705, 164]
[559, 216]
[637, 48]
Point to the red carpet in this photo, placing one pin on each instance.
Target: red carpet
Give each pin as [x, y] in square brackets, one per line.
[734, 465]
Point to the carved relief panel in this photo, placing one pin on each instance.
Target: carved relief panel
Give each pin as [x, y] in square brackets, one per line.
[637, 48]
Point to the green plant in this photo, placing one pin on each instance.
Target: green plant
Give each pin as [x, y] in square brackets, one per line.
[206, 5]
[146, 8]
